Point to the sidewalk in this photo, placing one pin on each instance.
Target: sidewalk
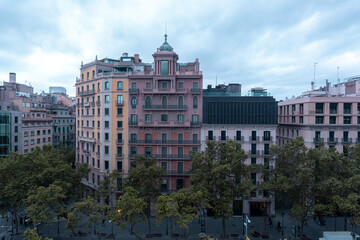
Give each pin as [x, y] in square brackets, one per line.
[234, 229]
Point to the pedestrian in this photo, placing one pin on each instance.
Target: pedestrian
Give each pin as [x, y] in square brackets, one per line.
[270, 222]
[279, 226]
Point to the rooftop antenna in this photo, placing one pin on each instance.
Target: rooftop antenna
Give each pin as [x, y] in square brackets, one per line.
[216, 81]
[337, 74]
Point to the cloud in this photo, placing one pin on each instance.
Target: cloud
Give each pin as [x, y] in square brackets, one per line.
[254, 43]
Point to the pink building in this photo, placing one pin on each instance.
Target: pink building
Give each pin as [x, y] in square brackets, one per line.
[330, 114]
[165, 115]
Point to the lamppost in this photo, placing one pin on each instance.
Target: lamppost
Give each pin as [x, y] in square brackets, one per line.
[247, 220]
[202, 233]
[282, 225]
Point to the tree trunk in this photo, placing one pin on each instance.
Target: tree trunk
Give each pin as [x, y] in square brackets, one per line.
[302, 227]
[223, 226]
[148, 215]
[345, 223]
[265, 224]
[16, 225]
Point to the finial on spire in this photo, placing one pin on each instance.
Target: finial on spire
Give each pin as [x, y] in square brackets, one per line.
[165, 37]
[165, 32]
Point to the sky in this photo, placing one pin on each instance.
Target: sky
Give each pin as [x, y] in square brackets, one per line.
[269, 44]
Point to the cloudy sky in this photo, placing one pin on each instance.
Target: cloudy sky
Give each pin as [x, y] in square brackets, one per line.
[270, 44]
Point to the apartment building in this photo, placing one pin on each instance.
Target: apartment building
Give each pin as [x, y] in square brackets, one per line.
[127, 108]
[36, 124]
[251, 121]
[330, 114]
[10, 129]
[63, 126]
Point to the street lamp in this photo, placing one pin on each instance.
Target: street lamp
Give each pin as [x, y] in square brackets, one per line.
[282, 225]
[202, 233]
[245, 224]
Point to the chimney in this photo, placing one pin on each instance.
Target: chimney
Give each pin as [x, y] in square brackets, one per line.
[327, 85]
[12, 77]
[136, 58]
[312, 86]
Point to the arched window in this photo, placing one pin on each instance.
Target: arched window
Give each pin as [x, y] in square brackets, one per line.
[147, 101]
[195, 102]
[133, 102]
[119, 85]
[164, 102]
[181, 101]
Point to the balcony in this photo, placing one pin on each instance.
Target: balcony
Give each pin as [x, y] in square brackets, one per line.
[86, 139]
[119, 155]
[346, 140]
[332, 140]
[97, 153]
[119, 103]
[133, 123]
[198, 124]
[165, 142]
[86, 151]
[267, 139]
[253, 138]
[263, 152]
[317, 140]
[210, 138]
[239, 138]
[87, 104]
[254, 152]
[177, 172]
[162, 156]
[87, 92]
[195, 90]
[223, 139]
[133, 90]
[164, 90]
[164, 107]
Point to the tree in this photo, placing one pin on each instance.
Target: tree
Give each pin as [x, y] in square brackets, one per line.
[181, 207]
[31, 234]
[145, 177]
[93, 212]
[221, 174]
[293, 178]
[130, 210]
[107, 187]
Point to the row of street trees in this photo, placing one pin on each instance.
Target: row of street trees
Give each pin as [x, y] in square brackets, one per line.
[311, 182]
[316, 182]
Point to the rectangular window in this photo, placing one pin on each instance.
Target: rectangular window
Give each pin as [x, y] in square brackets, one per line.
[180, 117]
[107, 111]
[195, 85]
[347, 108]
[164, 165]
[107, 98]
[195, 138]
[267, 135]
[133, 118]
[346, 136]
[180, 151]
[253, 148]
[332, 120]
[119, 166]
[119, 137]
[164, 85]
[238, 135]
[164, 151]
[148, 138]
[119, 124]
[347, 119]
[119, 99]
[319, 108]
[164, 117]
[148, 85]
[301, 119]
[319, 119]
[107, 124]
[210, 135]
[181, 85]
[180, 138]
[317, 136]
[148, 118]
[333, 108]
[253, 160]
[106, 136]
[331, 136]
[163, 138]
[253, 135]
[179, 184]
[148, 151]
[223, 135]
[106, 149]
[266, 149]
[180, 166]
[119, 111]
[164, 67]
[106, 165]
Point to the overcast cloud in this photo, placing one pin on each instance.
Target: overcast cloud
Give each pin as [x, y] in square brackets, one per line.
[270, 44]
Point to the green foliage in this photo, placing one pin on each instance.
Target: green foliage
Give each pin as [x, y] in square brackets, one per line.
[31, 234]
[180, 206]
[42, 183]
[88, 207]
[107, 187]
[221, 174]
[132, 210]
